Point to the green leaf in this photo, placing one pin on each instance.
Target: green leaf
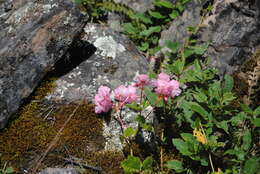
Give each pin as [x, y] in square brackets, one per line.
[153, 98]
[143, 17]
[199, 109]
[134, 106]
[251, 166]
[247, 139]
[257, 112]
[238, 119]
[188, 52]
[144, 46]
[228, 97]
[256, 122]
[175, 165]
[174, 14]
[150, 31]
[181, 146]
[9, 170]
[228, 84]
[147, 163]
[131, 164]
[156, 15]
[128, 132]
[174, 46]
[188, 137]
[246, 108]
[163, 3]
[200, 97]
[223, 125]
[180, 7]
[129, 28]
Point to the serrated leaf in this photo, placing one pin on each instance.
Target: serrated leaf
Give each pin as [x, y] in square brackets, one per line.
[238, 119]
[175, 165]
[256, 122]
[128, 132]
[199, 109]
[153, 98]
[247, 139]
[144, 46]
[228, 83]
[131, 164]
[150, 30]
[251, 166]
[228, 97]
[156, 15]
[174, 14]
[200, 97]
[174, 46]
[143, 17]
[134, 106]
[129, 28]
[163, 3]
[181, 146]
[9, 170]
[223, 125]
[147, 163]
[246, 108]
[188, 137]
[257, 112]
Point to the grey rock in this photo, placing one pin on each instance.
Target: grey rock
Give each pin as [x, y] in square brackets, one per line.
[114, 61]
[137, 5]
[232, 30]
[59, 171]
[177, 31]
[33, 36]
[234, 34]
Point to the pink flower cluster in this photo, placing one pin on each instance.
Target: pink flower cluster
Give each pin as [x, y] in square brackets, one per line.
[164, 87]
[102, 100]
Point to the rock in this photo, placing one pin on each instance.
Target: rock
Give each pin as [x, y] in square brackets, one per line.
[136, 5]
[34, 35]
[232, 29]
[59, 171]
[177, 31]
[233, 33]
[114, 61]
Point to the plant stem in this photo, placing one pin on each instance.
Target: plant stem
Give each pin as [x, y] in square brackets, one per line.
[211, 163]
[161, 151]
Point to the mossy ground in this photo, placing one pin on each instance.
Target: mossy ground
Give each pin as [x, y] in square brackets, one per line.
[27, 138]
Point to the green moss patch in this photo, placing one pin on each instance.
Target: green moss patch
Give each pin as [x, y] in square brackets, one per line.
[27, 138]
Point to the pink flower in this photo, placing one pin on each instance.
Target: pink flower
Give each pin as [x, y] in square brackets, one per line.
[163, 76]
[125, 94]
[165, 87]
[102, 100]
[141, 80]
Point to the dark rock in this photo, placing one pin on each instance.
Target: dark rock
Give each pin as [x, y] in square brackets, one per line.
[232, 29]
[59, 171]
[34, 35]
[234, 35]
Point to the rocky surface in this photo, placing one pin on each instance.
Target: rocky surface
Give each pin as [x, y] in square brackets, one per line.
[113, 61]
[232, 29]
[33, 36]
[177, 31]
[137, 5]
[59, 171]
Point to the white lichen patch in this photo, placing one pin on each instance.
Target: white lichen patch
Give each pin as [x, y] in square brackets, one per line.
[108, 47]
